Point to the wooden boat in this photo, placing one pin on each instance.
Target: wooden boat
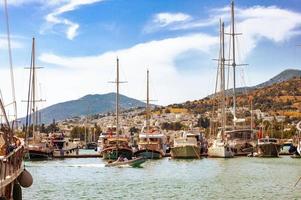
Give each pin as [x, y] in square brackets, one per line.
[39, 151]
[151, 144]
[136, 162]
[116, 147]
[115, 144]
[186, 146]
[36, 146]
[12, 171]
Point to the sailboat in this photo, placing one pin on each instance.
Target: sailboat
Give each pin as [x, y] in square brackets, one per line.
[37, 146]
[220, 147]
[151, 139]
[116, 144]
[13, 174]
[240, 139]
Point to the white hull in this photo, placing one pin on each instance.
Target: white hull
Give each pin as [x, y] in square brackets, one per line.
[220, 150]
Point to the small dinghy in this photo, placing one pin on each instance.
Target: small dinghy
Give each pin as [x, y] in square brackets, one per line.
[136, 162]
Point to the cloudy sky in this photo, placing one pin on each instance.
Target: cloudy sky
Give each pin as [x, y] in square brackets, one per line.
[77, 42]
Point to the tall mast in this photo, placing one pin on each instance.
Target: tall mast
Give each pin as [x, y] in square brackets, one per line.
[147, 107]
[233, 62]
[10, 63]
[117, 98]
[147, 103]
[34, 122]
[222, 77]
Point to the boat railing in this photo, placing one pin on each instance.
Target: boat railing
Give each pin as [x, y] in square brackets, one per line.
[11, 165]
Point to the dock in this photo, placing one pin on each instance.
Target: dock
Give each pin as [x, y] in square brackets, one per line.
[80, 156]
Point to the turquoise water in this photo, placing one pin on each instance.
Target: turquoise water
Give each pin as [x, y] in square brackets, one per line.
[237, 178]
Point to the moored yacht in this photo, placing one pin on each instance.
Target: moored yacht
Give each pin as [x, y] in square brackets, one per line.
[116, 144]
[39, 150]
[37, 146]
[63, 146]
[241, 141]
[151, 144]
[268, 147]
[220, 148]
[186, 146]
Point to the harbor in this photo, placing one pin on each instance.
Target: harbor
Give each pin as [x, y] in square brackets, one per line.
[254, 178]
[159, 104]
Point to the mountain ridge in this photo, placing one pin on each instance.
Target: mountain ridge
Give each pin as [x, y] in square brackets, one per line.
[86, 105]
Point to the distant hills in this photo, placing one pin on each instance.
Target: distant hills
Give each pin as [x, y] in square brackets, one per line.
[280, 93]
[87, 105]
[281, 77]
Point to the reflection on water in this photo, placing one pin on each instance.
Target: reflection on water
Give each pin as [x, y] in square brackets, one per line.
[237, 178]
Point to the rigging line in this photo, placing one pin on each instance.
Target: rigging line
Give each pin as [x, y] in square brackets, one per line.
[10, 61]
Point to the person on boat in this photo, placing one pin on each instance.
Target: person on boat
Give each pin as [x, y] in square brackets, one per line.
[120, 158]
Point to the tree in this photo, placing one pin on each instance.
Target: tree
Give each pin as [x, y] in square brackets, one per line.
[78, 132]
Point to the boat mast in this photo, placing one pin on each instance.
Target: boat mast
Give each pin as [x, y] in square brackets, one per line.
[233, 62]
[33, 97]
[11, 66]
[222, 77]
[147, 107]
[117, 98]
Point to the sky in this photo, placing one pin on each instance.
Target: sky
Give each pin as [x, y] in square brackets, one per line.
[78, 41]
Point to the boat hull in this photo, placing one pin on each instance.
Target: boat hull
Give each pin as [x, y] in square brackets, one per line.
[148, 154]
[114, 153]
[61, 153]
[220, 152]
[185, 152]
[268, 150]
[133, 163]
[39, 155]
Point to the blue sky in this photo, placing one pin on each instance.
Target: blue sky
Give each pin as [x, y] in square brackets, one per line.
[79, 40]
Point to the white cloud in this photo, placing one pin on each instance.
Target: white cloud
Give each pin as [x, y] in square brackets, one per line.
[54, 17]
[77, 76]
[271, 23]
[161, 20]
[165, 19]
[14, 44]
[256, 23]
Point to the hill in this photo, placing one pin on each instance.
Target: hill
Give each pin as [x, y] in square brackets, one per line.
[87, 105]
[280, 94]
[282, 76]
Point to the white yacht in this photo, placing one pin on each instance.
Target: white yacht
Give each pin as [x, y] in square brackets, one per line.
[220, 148]
[63, 147]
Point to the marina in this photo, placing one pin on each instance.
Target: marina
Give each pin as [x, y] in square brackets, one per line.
[171, 178]
[210, 134]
